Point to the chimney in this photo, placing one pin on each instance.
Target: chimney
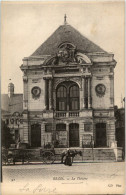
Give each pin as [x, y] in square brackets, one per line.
[10, 89]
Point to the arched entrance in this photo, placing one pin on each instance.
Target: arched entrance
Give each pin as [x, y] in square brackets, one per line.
[36, 135]
[100, 135]
[74, 135]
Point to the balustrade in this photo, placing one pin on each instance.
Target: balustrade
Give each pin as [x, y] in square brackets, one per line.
[67, 114]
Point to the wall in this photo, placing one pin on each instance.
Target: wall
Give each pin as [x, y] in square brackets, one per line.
[36, 80]
[101, 76]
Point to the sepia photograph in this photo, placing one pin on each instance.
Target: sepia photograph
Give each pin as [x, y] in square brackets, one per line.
[62, 97]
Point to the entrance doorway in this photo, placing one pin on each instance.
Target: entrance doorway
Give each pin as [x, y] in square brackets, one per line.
[100, 135]
[74, 135]
[36, 135]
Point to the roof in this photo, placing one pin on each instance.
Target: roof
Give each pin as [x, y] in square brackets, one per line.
[66, 33]
[12, 104]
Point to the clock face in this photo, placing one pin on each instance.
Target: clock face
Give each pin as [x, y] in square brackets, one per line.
[100, 89]
[36, 91]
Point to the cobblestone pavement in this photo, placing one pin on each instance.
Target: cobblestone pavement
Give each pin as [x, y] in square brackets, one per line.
[80, 173]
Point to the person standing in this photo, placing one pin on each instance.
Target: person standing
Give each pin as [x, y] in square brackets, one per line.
[68, 160]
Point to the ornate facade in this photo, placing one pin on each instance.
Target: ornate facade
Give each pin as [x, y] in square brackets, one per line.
[68, 93]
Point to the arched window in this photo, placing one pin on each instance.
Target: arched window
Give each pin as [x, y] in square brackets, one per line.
[61, 98]
[67, 96]
[74, 97]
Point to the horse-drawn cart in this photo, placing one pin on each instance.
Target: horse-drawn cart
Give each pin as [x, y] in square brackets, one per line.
[11, 156]
[46, 156]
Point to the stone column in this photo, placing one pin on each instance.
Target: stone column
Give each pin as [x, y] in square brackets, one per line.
[111, 89]
[89, 92]
[25, 97]
[50, 94]
[46, 93]
[84, 105]
[81, 99]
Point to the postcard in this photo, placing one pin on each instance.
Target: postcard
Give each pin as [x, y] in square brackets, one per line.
[62, 97]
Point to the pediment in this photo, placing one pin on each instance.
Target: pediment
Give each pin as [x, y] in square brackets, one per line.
[67, 54]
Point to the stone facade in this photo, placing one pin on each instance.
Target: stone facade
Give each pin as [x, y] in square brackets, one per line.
[69, 93]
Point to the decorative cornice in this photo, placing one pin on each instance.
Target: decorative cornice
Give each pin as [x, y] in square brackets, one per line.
[47, 78]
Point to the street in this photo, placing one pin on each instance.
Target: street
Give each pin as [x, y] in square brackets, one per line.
[57, 178]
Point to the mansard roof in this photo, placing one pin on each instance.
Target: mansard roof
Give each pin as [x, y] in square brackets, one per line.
[67, 34]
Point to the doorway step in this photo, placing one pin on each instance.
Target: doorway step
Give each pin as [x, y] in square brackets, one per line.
[95, 154]
[88, 154]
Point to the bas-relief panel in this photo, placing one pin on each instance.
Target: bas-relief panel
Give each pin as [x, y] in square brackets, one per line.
[100, 70]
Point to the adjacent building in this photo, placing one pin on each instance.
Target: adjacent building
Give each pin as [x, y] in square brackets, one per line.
[120, 127]
[11, 112]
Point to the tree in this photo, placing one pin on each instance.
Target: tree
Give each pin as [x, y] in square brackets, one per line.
[6, 137]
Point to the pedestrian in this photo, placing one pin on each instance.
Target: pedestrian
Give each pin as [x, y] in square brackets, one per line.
[68, 160]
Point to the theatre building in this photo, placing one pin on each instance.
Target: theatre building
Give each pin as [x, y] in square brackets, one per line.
[69, 93]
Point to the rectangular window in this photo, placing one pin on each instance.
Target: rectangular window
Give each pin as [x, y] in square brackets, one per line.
[88, 127]
[48, 127]
[61, 127]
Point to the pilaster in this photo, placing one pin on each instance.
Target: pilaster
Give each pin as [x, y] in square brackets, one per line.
[111, 77]
[46, 93]
[89, 92]
[50, 94]
[25, 92]
[83, 85]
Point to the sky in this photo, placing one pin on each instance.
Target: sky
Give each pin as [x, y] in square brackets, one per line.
[26, 25]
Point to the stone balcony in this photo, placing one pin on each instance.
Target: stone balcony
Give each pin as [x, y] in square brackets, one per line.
[66, 114]
[71, 114]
